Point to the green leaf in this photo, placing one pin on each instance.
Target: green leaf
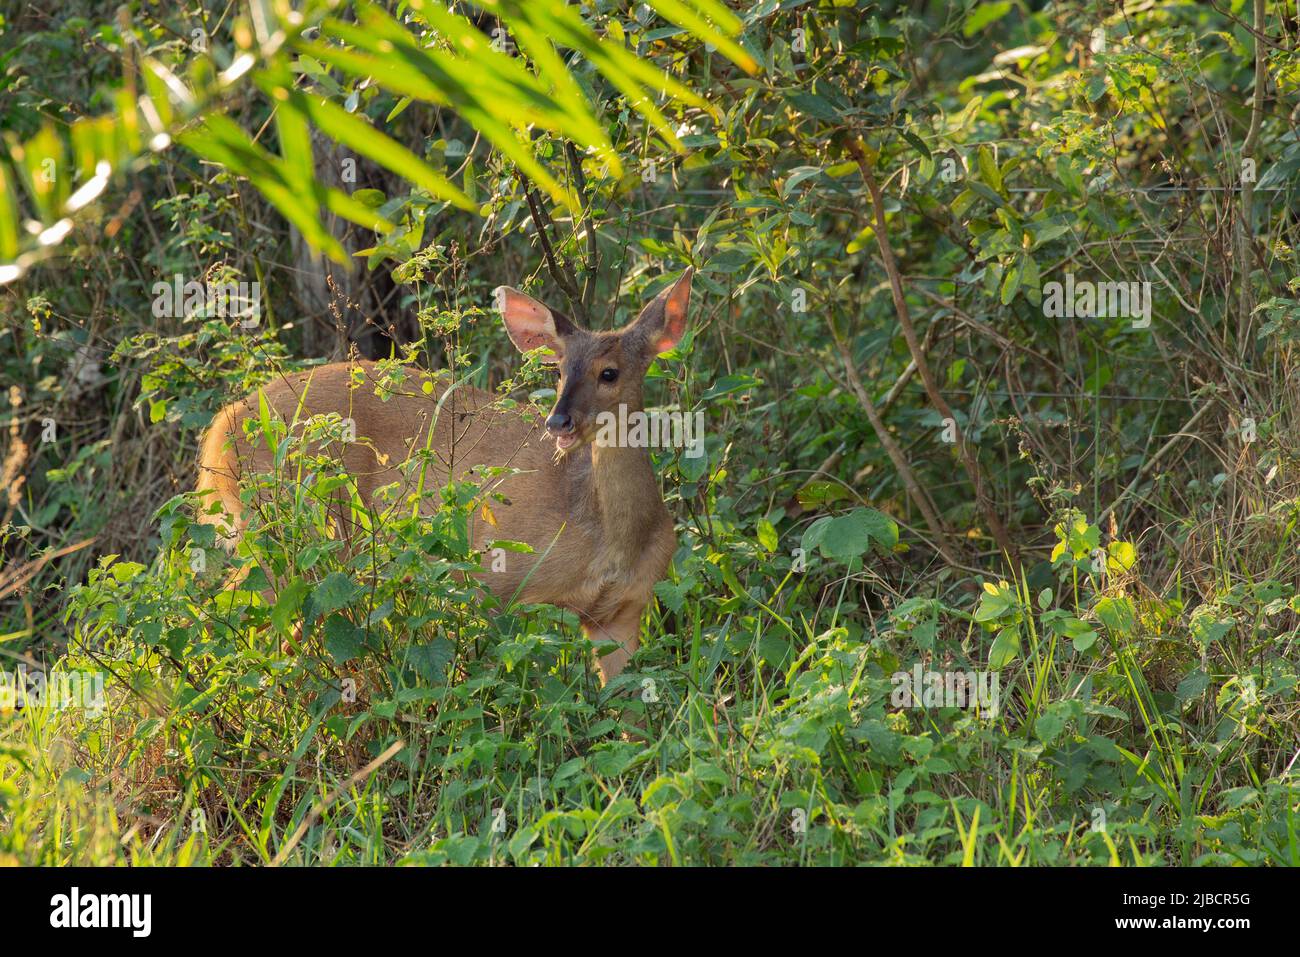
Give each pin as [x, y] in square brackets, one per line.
[367, 217]
[221, 141]
[1049, 726]
[817, 494]
[797, 176]
[988, 167]
[1084, 640]
[334, 592]
[775, 650]
[1117, 615]
[1069, 176]
[1120, 557]
[343, 639]
[1005, 648]
[724, 25]
[1192, 686]
[8, 221]
[917, 142]
[693, 467]
[124, 572]
[358, 135]
[288, 603]
[728, 384]
[985, 14]
[810, 104]
[848, 536]
[430, 660]
[1207, 630]
[1011, 281]
[995, 602]
[672, 594]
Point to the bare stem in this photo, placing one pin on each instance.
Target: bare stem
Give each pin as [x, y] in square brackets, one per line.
[966, 451]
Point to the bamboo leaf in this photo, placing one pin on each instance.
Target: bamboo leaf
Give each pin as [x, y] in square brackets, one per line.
[356, 134]
[685, 15]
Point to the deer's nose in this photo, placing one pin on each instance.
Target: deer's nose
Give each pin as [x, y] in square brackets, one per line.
[559, 423]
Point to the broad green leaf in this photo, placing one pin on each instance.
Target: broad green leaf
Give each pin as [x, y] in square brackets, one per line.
[343, 639]
[431, 659]
[288, 603]
[985, 14]
[336, 591]
[1005, 648]
[848, 536]
[988, 168]
[1117, 615]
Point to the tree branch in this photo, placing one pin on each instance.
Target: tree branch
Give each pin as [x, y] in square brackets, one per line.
[967, 453]
[896, 456]
[592, 264]
[561, 273]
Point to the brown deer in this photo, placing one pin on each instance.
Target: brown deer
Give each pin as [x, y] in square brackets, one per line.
[591, 511]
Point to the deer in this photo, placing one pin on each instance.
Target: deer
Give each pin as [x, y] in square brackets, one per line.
[592, 511]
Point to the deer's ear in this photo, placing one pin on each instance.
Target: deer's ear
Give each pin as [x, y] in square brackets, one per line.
[662, 322]
[530, 324]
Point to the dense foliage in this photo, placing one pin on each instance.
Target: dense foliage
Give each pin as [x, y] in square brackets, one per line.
[922, 452]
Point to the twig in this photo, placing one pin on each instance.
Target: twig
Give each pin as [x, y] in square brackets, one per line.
[14, 579]
[314, 814]
[967, 453]
[1150, 463]
[562, 275]
[895, 453]
[1246, 228]
[905, 377]
[592, 264]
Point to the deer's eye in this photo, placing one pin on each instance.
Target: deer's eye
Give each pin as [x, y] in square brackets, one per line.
[608, 375]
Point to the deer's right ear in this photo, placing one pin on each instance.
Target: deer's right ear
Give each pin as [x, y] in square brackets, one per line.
[530, 324]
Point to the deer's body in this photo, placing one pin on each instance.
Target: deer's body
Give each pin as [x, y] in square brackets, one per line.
[593, 514]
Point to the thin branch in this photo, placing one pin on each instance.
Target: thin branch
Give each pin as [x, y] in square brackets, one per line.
[969, 459]
[314, 815]
[895, 453]
[1246, 229]
[561, 273]
[1150, 463]
[592, 263]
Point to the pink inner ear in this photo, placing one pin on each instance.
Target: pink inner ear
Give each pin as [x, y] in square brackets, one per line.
[675, 309]
[668, 339]
[528, 321]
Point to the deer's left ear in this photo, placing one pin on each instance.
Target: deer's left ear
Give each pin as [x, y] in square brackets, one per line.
[662, 322]
[531, 324]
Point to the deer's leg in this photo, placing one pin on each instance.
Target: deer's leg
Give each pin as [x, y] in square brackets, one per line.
[624, 629]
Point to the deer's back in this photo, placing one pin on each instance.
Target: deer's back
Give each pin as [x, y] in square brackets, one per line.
[545, 504]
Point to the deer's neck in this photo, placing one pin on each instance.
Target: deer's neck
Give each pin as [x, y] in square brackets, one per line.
[627, 498]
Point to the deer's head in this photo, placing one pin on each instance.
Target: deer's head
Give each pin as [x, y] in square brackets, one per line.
[599, 371]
